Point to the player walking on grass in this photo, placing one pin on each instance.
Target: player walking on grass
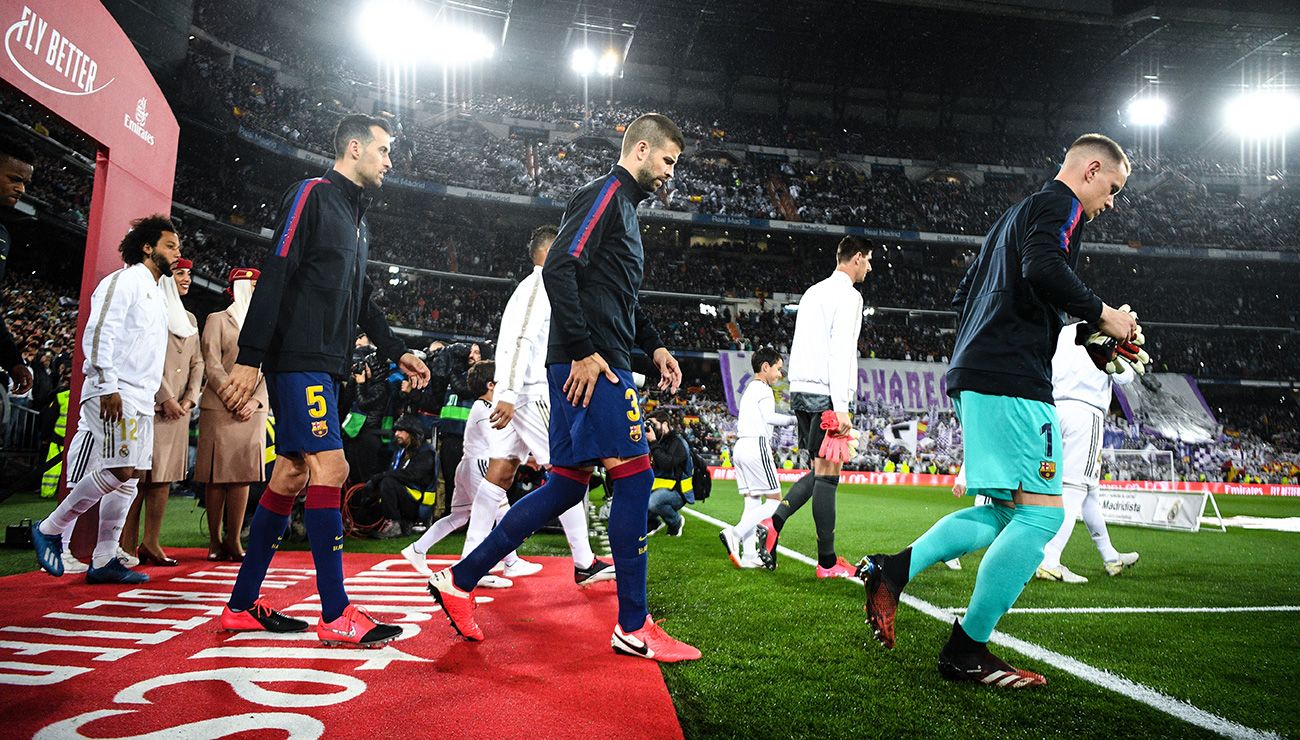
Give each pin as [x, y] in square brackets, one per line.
[311, 295]
[755, 472]
[1011, 301]
[592, 280]
[1083, 392]
[823, 377]
[125, 342]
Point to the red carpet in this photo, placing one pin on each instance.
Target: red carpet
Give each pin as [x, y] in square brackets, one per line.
[116, 661]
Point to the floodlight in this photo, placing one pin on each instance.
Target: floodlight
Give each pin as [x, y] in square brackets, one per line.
[583, 61]
[451, 46]
[397, 31]
[608, 65]
[1148, 112]
[1263, 114]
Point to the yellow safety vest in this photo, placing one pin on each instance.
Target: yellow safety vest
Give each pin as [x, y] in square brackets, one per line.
[50, 479]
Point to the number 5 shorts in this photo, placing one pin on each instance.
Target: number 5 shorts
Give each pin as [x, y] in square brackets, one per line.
[306, 410]
[1009, 443]
[106, 445]
[610, 426]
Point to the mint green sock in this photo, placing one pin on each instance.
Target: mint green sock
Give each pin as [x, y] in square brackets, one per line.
[958, 533]
[1008, 565]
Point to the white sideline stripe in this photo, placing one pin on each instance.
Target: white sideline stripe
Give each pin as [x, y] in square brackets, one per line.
[1106, 680]
[1142, 610]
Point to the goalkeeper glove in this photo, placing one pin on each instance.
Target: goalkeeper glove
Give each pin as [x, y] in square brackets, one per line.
[837, 447]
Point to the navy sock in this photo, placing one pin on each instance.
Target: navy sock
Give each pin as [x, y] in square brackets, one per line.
[324, 523]
[564, 488]
[270, 520]
[796, 497]
[627, 539]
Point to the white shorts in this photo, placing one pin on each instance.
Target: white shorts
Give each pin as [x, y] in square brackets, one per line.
[103, 445]
[1081, 429]
[755, 470]
[469, 473]
[527, 433]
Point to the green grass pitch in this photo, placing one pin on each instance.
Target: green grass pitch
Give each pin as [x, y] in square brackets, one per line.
[787, 655]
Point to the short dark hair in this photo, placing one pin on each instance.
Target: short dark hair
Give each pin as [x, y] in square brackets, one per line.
[655, 129]
[764, 356]
[851, 246]
[664, 416]
[10, 149]
[147, 230]
[1105, 144]
[480, 374]
[357, 126]
[541, 235]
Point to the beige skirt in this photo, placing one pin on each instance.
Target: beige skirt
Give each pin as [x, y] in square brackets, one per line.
[230, 451]
[171, 449]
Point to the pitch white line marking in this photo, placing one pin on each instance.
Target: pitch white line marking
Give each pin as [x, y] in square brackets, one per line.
[1106, 680]
[1142, 609]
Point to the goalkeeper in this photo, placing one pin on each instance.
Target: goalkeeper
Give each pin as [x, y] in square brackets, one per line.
[823, 380]
[1012, 303]
[1083, 369]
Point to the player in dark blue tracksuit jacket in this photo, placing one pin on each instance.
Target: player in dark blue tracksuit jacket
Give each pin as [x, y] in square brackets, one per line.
[1012, 301]
[592, 277]
[312, 293]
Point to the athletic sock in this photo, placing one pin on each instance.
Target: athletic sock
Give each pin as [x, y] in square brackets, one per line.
[270, 521]
[823, 509]
[85, 494]
[574, 522]
[1096, 524]
[796, 497]
[565, 488]
[324, 522]
[748, 517]
[113, 508]
[627, 539]
[1072, 500]
[482, 516]
[962, 531]
[1008, 565]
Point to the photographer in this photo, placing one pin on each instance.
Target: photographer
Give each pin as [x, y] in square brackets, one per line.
[400, 490]
[448, 396]
[378, 396]
[670, 460]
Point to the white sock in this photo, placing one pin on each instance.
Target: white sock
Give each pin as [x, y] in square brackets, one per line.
[457, 518]
[574, 521]
[1072, 499]
[113, 508]
[764, 509]
[746, 514]
[482, 514]
[89, 490]
[511, 557]
[1096, 524]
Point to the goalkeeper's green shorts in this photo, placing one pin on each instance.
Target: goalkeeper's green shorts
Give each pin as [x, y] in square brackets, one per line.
[1009, 443]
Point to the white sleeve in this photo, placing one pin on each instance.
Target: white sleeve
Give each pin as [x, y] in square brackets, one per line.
[767, 408]
[516, 340]
[107, 320]
[842, 354]
[961, 475]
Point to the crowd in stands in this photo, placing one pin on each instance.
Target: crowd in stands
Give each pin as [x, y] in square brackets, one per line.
[828, 189]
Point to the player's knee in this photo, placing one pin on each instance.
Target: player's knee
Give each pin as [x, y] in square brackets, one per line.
[122, 474]
[501, 473]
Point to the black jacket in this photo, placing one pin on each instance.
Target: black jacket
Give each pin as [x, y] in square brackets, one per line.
[313, 290]
[1014, 298]
[593, 275]
[414, 470]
